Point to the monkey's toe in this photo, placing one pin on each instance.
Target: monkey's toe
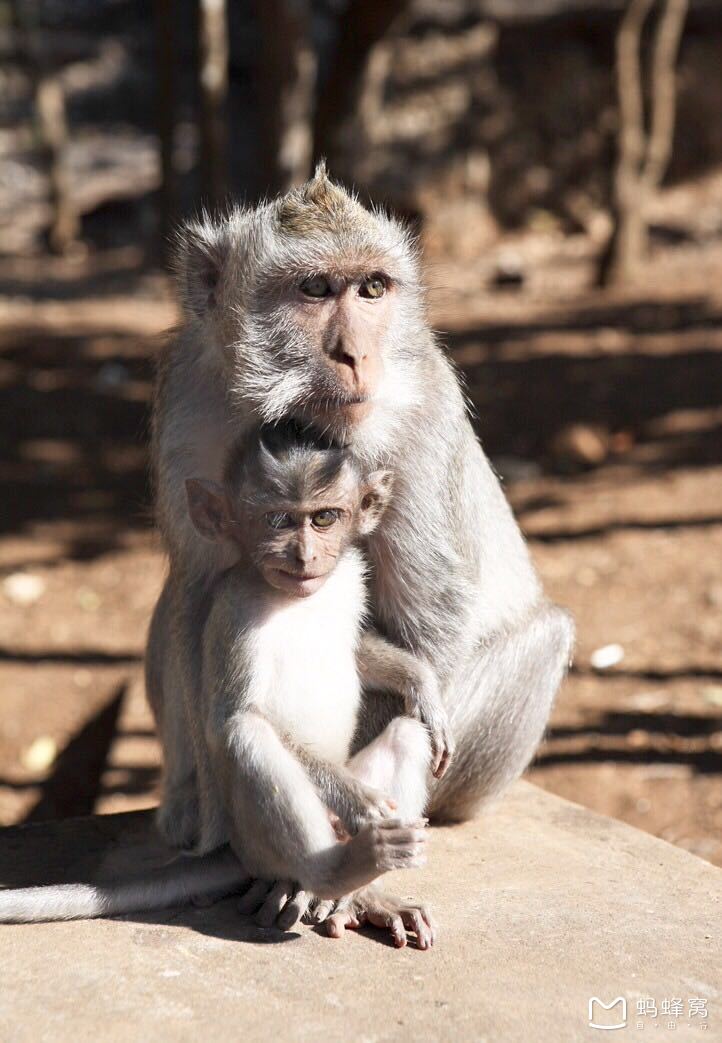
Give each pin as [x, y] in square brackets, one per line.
[274, 903]
[293, 911]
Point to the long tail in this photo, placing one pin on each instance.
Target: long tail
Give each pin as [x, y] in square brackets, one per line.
[175, 884]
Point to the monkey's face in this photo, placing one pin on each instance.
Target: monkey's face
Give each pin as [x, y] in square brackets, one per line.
[297, 548]
[296, 542]
[313, 305]
[330, 342]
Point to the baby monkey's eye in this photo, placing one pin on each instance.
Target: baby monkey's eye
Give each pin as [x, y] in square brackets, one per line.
[279, 520]
[373, 286]
[316, 286]
[324, 519]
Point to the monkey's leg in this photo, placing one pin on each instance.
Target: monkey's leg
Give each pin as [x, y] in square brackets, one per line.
[281, 830]
[499, 708]
[397, 762]
[177, 816]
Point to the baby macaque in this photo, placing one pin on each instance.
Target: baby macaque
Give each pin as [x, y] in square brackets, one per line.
[284, 658]
[283, 663]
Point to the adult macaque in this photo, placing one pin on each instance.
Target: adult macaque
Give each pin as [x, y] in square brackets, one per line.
[310, 307]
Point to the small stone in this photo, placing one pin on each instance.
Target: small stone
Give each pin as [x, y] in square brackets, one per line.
[40, 754]
[652, 700]
[508, 271]
[607, 656]
[580, 446]
[23, 588]
[712, 693]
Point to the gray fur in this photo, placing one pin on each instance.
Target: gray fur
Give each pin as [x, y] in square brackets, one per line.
[452, 578]
[276, 816]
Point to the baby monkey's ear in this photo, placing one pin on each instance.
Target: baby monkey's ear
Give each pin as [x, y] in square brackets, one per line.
[209, 509]
[374, 500]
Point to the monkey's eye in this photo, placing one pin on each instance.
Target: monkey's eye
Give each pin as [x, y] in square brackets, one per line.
[324, 519]
[316, 286]
[374, 286]
[279, 520]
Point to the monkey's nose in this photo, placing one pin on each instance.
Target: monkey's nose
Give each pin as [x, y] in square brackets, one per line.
[305, 554]
[348, 353]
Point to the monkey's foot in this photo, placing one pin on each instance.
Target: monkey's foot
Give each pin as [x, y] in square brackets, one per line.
[380, 909]
[286, 904]
[277, 902]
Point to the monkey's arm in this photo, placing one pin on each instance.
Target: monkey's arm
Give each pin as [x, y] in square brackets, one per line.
[352, 800]
[386, 667]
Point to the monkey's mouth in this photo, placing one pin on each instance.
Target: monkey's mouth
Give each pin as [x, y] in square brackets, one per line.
[349, 407]
[298, 584]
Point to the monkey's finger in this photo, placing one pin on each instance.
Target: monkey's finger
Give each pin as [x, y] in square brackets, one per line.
[414, 921]
[429, 920]
[391, 824]
[442, 763]
[293, 911]
[254, 896]
[403, 835]
[321, 911]
[275, 901]
[387, 920]
[339, 922]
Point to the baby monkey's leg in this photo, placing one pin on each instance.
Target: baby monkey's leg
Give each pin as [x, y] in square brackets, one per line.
[397, 763]
[281, 830]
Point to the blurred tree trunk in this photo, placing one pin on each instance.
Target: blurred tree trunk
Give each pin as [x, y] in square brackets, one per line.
[165, 49]
[643, 156]
[363, 25]
[52, 127]
[213, 36]
[287, 84]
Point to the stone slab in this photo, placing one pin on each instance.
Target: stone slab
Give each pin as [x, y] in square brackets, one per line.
[541, 905]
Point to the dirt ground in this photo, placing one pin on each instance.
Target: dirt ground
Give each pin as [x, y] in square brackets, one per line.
[623, 513]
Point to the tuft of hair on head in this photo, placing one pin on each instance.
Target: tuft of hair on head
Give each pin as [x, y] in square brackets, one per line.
[285, 463]
[320, 205]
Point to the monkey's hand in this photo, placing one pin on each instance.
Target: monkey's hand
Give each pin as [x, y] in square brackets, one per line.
[430, 711]
[358, 802]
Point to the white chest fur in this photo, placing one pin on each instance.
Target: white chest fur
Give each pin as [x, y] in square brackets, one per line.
[306, 681]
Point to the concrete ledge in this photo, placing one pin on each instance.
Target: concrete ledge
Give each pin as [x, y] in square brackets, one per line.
[541, 904]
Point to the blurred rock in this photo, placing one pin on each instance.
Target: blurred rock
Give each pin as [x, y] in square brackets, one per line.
[508, 272]
[580, 447]
[607, 656]
[23, 588]
[40, 754]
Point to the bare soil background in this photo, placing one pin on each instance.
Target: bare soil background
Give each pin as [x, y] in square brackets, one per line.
[602, 412]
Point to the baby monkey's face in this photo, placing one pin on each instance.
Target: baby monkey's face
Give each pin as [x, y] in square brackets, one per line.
[296, 546]
[294, 543]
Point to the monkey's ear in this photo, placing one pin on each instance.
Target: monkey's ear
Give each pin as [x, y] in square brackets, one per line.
[375, 499]
[208, 508]
[201, 251]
